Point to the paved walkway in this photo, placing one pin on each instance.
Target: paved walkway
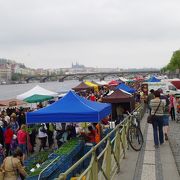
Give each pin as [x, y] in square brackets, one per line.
[174, 139]
[149, 163]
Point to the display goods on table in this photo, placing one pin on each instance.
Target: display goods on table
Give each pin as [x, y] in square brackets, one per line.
[62, 158]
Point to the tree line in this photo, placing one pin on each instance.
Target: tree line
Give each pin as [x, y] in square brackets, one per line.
[174, 62]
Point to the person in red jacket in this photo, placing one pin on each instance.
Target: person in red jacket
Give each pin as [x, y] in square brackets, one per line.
[90, 136]
[92, 97]
[8, 135]
[22, 140]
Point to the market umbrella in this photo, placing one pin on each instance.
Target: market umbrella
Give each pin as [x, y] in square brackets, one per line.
[38, 98]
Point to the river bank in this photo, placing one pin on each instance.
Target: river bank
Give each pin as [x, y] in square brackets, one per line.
[12, 90]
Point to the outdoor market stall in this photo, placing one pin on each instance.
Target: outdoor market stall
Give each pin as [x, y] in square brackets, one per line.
[38, 91]
[113, 83]
[71, 108]
[101, 83]
[38, 98]
[11, 102]
[91, 84]
[153, 79]
[83, 86]
[126, 88]
[119, 97]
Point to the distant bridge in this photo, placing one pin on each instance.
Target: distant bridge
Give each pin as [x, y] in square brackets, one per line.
[95, 75]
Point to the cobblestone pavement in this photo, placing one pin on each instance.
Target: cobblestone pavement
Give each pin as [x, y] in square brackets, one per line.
[155, 164]
[174, 140]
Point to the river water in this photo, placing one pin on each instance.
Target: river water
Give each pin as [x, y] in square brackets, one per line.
[12, 90]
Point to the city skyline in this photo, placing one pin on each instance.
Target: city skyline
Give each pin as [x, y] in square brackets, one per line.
[102, 34]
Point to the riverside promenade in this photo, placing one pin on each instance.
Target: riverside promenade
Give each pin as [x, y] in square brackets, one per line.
[151, 163]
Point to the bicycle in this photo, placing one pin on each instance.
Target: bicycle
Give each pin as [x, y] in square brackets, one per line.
[134, 134]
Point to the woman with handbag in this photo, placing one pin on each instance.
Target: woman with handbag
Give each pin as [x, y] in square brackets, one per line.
[157, 109]
[12, 166]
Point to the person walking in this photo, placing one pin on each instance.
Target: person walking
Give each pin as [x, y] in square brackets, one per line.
[12, 166]
[157, 108]
[172, 107]
[149, 98]
[166, 116]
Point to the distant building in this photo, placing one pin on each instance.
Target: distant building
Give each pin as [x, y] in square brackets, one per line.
[41, 72]
[77, 66]
[5, 72]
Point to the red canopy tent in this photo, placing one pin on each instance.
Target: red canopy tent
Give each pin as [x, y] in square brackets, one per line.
[113, 83]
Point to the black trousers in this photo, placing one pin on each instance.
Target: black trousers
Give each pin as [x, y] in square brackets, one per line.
[43, 143]
[7, 147]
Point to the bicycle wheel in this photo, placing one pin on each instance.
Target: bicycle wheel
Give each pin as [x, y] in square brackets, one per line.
[135, 138]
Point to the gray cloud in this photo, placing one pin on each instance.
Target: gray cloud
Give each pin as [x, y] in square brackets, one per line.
[109, 33]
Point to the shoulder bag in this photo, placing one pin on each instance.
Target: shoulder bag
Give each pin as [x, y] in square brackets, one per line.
[150, 118]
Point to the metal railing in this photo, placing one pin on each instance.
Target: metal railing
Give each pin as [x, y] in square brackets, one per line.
[107, 163]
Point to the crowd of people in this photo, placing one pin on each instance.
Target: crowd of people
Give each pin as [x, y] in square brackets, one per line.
[17, 141]
[14, 132]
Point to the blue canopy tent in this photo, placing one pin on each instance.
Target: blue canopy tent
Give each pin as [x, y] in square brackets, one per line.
[70, 108]
[153, 79]
[126, 88]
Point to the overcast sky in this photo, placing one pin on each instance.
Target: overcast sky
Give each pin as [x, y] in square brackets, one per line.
[95, 33]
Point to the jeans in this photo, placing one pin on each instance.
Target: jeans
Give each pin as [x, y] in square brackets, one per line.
[23, 148]
[158, 126]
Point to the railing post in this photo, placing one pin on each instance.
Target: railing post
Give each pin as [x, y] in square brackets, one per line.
[117, 149]
[62, 177]
[107, 157]
[124, 137]
[94, 166]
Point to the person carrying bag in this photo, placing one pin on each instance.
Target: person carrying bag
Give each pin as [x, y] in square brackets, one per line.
[13, 168]
[158, 107]
[151, 118]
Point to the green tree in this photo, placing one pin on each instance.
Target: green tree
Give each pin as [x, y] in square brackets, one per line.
[16, 77]
[174, 62]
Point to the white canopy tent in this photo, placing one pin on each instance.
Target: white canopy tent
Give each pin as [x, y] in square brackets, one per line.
[101, 82]
[36, 90]
[123, 79]
[110, 92]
